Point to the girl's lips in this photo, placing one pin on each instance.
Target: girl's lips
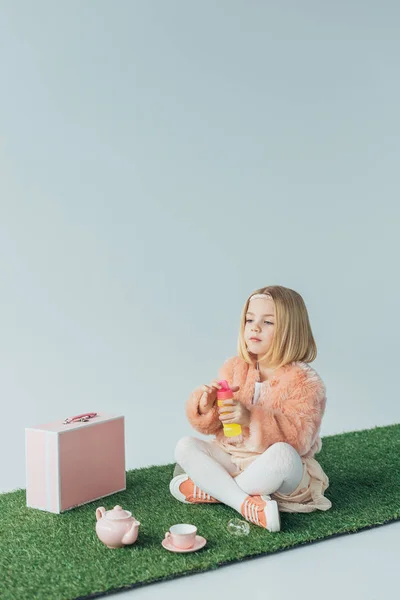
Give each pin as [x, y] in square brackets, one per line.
[255, 340]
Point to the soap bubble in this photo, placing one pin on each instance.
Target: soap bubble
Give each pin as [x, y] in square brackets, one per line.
[238, 527]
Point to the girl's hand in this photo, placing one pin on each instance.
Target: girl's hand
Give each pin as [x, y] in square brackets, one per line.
[234, 411]
[209, 396]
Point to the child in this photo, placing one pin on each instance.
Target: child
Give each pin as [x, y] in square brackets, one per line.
[279, 401]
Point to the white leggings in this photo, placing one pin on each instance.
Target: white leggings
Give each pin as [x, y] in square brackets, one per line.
[279, 468]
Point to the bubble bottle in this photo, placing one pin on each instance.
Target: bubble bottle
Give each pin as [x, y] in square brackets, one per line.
[230, 429]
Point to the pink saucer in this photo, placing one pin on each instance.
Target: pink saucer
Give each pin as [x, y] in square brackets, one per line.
[199, 543]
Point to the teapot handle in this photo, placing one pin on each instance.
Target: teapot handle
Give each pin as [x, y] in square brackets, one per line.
[100, 512]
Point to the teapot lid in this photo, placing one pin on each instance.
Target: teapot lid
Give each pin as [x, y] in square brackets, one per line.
[118, 513]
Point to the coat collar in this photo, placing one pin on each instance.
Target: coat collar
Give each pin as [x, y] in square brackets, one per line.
[246, 376]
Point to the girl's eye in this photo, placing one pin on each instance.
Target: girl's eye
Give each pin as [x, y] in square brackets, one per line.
[250, 320]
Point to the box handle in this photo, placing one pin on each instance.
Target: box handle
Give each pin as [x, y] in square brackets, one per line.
[83, 417]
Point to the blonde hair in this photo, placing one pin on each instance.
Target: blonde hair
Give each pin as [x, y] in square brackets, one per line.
[293, 339]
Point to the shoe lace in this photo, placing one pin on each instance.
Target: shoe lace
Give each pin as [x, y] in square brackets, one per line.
[251, 510]
[198, 493]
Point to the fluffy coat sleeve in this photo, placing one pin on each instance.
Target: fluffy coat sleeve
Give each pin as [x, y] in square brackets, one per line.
[294, 418]
[208, 423]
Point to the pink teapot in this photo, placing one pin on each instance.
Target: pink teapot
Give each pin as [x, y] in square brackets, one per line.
[116, 528]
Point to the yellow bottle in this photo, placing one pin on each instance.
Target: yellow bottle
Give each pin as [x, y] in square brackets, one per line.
[230, 429]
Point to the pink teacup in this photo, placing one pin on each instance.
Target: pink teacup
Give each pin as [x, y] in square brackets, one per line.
[182, 535]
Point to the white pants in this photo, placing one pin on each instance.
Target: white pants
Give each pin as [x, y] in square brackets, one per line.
[278, 469]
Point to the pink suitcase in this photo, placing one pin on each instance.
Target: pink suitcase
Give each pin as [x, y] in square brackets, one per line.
[72, 463]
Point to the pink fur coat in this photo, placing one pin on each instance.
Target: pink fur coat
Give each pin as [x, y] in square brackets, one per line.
[289, 409]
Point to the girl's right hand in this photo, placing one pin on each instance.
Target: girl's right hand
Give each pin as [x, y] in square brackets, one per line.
[209, 395]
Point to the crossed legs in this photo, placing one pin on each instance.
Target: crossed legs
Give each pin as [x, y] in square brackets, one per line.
[279, 468]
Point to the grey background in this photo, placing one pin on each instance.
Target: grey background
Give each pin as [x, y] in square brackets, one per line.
[158, 162]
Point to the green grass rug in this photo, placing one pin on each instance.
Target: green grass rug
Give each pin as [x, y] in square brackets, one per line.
[47, 556]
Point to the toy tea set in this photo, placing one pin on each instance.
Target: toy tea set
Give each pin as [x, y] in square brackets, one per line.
[62, 472]
[117, 528]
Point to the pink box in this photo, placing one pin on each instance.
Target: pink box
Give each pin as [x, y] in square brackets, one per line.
[69, 465]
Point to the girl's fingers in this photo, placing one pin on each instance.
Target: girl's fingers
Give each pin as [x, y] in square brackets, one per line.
[225, 412]
[207, 389]
[227, 419]
[216, 385]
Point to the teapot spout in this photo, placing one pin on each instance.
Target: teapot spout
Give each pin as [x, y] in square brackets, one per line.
[131, 536]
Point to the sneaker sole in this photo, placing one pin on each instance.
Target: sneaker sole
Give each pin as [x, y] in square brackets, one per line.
[272, 515]
[174, 488]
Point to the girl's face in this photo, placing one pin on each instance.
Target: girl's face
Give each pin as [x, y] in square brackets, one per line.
[260, 323]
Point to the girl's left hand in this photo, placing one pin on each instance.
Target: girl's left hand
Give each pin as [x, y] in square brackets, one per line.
[234, 411]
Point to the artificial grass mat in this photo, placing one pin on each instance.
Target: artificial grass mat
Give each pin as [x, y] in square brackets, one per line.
[47, 556]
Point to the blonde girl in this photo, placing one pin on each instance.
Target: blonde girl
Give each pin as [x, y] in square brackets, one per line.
[279, 401]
